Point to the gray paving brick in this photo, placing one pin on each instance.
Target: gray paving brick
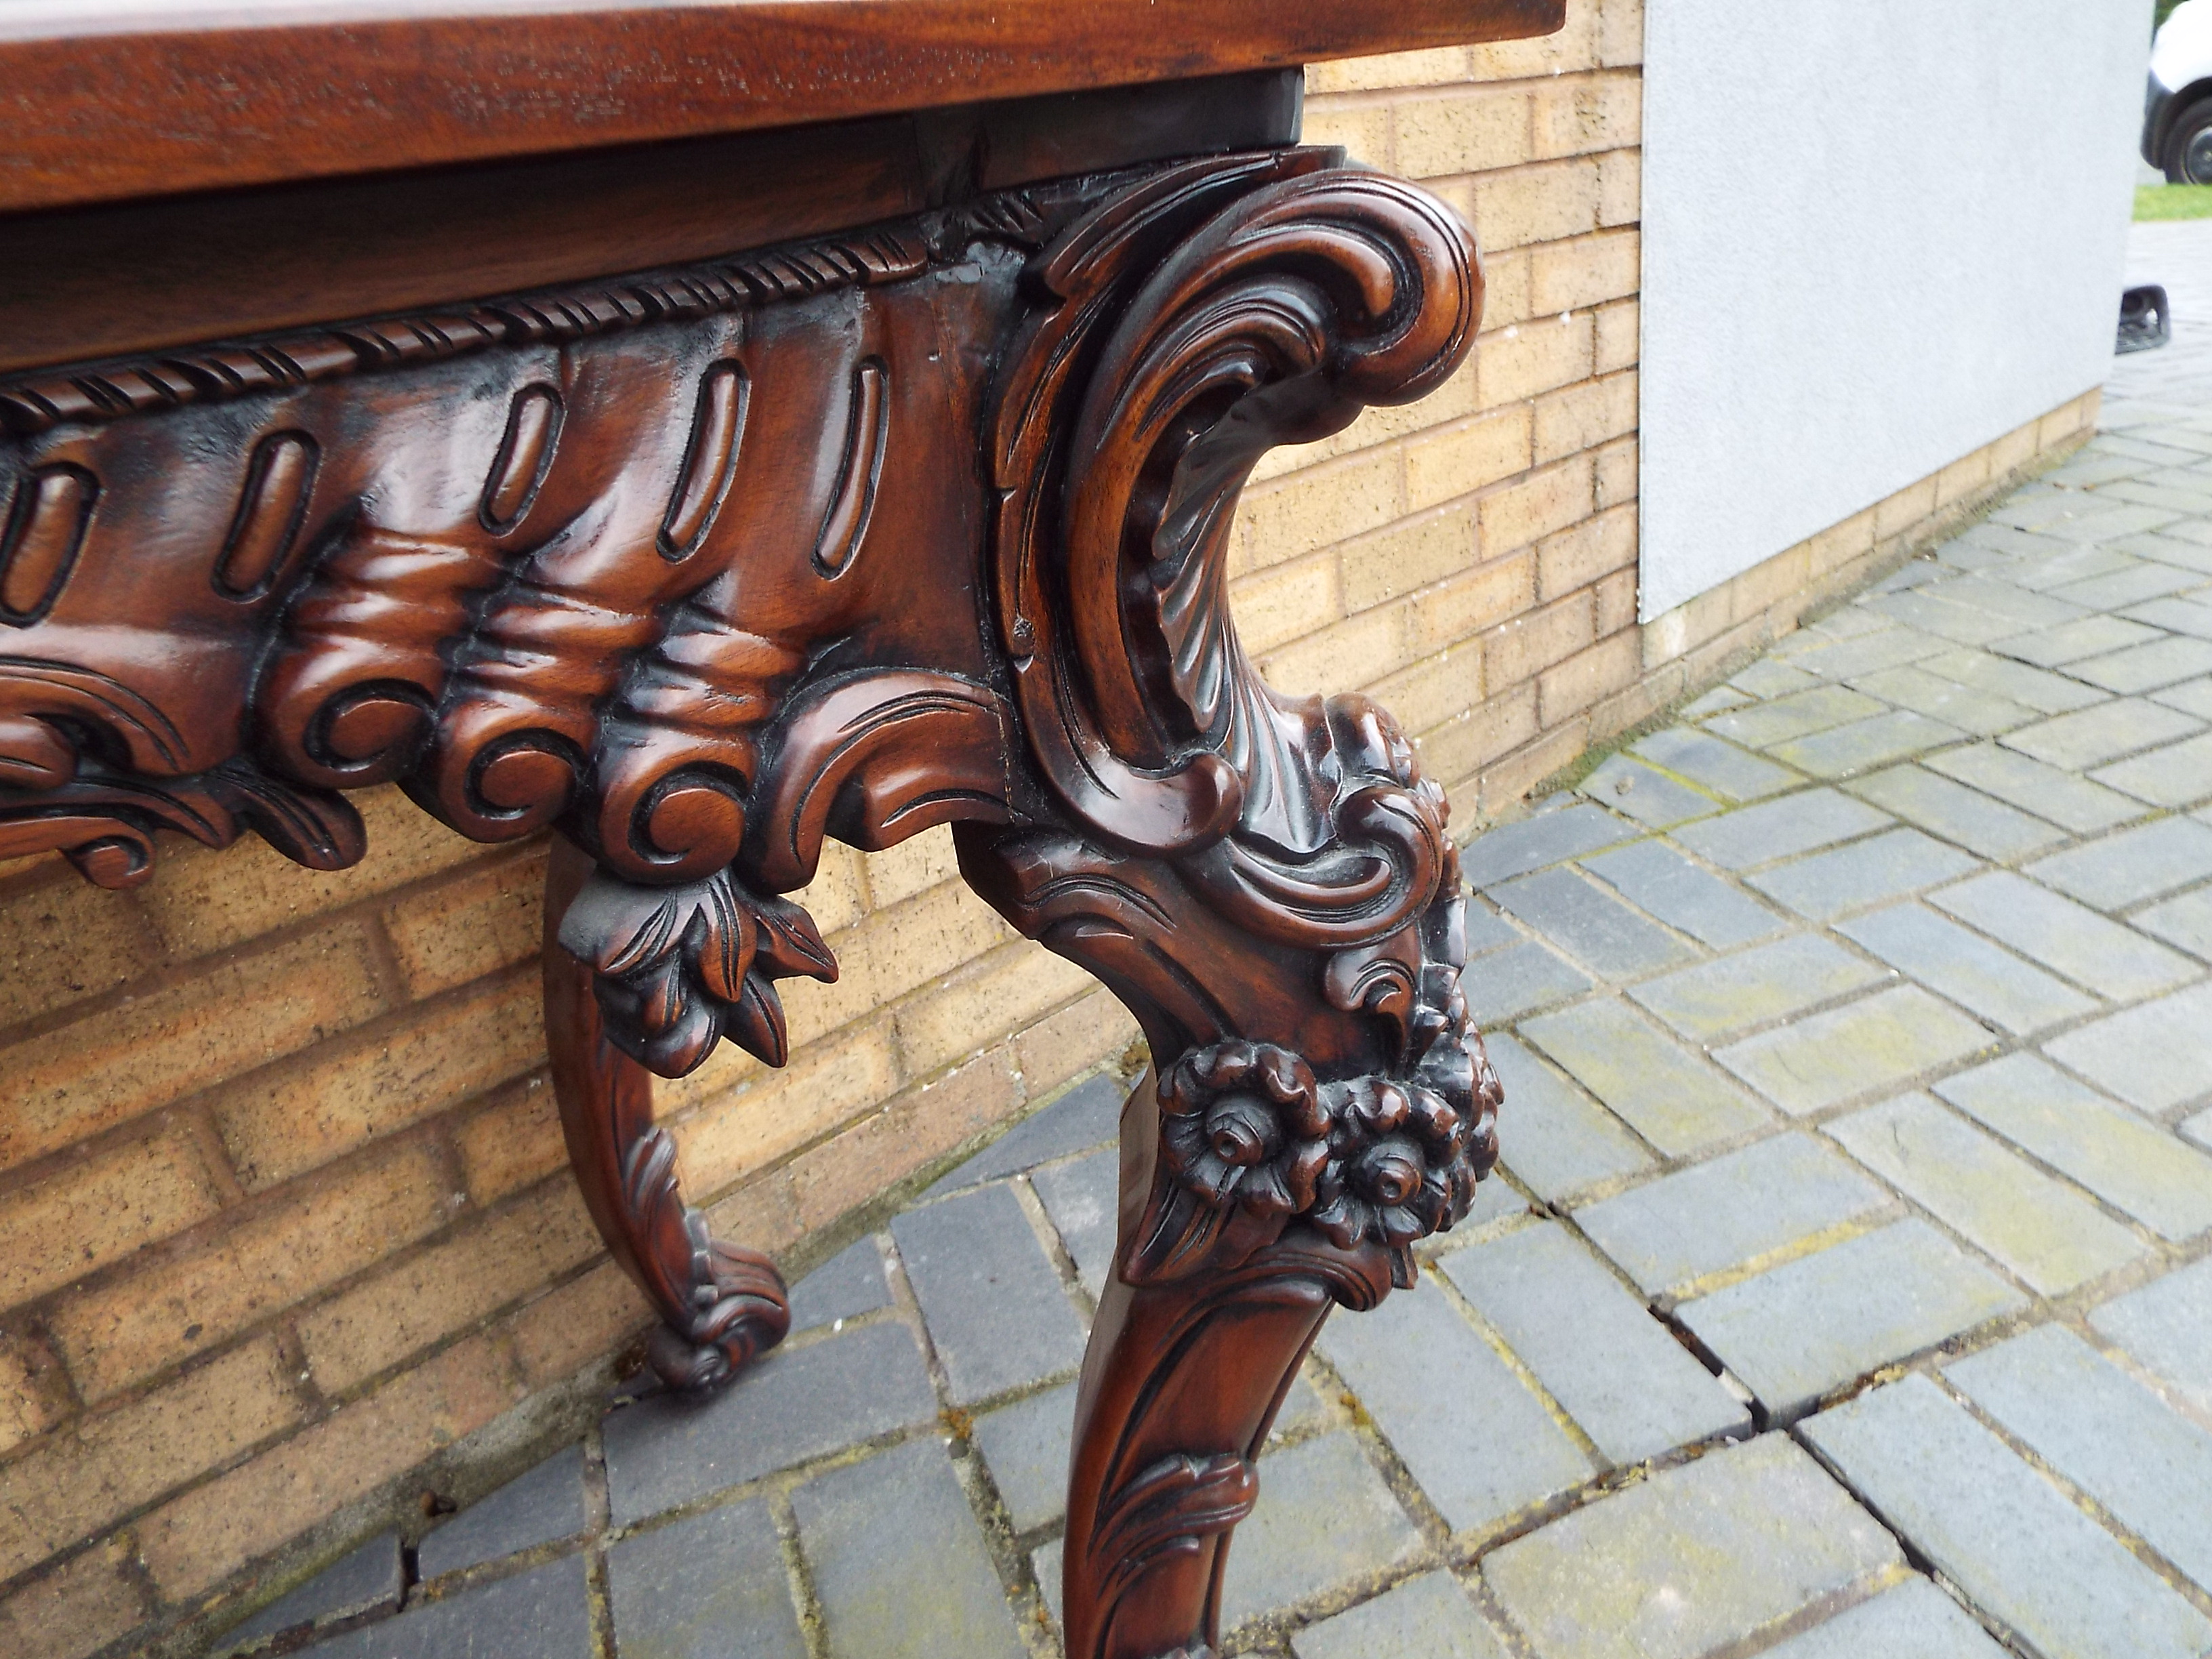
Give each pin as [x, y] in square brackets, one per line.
[1046, 1563]
[2166, 1327]
[2038, 574]
[2156, 1055]
[1865, 1047]
[898, 1561]
[536, 1507]
[2118, 1441]
[367, 1579]
[1768, 678]
[1493, 1201]
[1591, 926]
[2092, 637]
[2179, 774]
[2091, 736]
[1634, 1390]
[1777, 828]
[1513, 849]
[2121, 588]
[2134, 865]
[2197, 1129]
[712, 1587]
[1798, 715]
[1835, 658]
[2147, 667]
[1558, 1139]
[1808, 1326]
[849, 1284]
[1847, 750]
[2150, 492]
[1883, 866]
[2015, 545]
[1984, 978]
[1951, 810]
[1645, 794]
[2132, 1164]
[2107, 522]
[1025, 1447]
[1727, 771]
[1486, 930]
[1324, 1517]
[1721, 698]
[2190, 698]
[2185, 922]
[1080, 1198]
[2103, 955]
[1424, 1618]
[1768, 982]
[1915, 1620]
[989, 1294]
[796, 1404]
[1687, 898]
[1087, 1115]
[1478, 1442]
[2191, 617]
[1653, 1084]
[1965, 708]
[1729, 1211]
[2046, 1233]
[2073, 803]
[1995, 597]
[1518, 979]
[543, 1613]
[1691, 1562]
[2038, 689]
[2000, 1532]
[1931, 613]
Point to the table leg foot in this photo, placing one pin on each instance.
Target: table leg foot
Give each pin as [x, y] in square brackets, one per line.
[720, 1304]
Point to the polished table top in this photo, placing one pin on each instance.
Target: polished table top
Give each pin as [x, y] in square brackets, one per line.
[103, 99]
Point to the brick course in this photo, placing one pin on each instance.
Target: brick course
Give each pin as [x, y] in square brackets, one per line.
[283, 1208]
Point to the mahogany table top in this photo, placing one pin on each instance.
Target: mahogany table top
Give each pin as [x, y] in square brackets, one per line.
[102, 99]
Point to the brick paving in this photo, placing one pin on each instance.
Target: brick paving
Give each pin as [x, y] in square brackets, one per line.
[1847, 1288]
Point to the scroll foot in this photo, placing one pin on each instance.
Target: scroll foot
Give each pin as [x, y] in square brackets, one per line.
[721, 1305]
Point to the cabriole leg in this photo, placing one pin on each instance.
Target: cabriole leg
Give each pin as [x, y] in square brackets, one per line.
[720, 1304]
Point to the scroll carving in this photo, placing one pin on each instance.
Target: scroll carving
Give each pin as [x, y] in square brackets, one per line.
[1266, 882]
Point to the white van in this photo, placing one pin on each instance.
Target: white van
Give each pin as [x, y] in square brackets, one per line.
[2177, 136]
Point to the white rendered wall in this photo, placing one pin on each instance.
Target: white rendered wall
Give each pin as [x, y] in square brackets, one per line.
[1877, 235]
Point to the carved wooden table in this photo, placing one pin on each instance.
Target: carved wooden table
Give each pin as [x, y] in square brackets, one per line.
[726, 526]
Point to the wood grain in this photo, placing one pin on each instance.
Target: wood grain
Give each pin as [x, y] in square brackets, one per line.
[102, 116]
[115, 278]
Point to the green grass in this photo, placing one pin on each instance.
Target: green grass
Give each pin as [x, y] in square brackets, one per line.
[2173, 201]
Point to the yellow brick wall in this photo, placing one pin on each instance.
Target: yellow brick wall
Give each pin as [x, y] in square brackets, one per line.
[286, 1232]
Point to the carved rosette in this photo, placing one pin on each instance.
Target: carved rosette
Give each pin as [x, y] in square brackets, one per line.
[1247, 1133]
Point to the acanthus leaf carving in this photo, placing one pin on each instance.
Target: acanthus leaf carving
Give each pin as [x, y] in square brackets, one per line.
[1169, 1508]
[1266, 881]
[678, 968]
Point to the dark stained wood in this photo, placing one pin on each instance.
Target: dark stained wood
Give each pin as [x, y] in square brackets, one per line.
[93, 115]
[138, 276]
[789, 536]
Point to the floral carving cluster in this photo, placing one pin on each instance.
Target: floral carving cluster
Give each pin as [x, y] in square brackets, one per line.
[1386, 1159]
